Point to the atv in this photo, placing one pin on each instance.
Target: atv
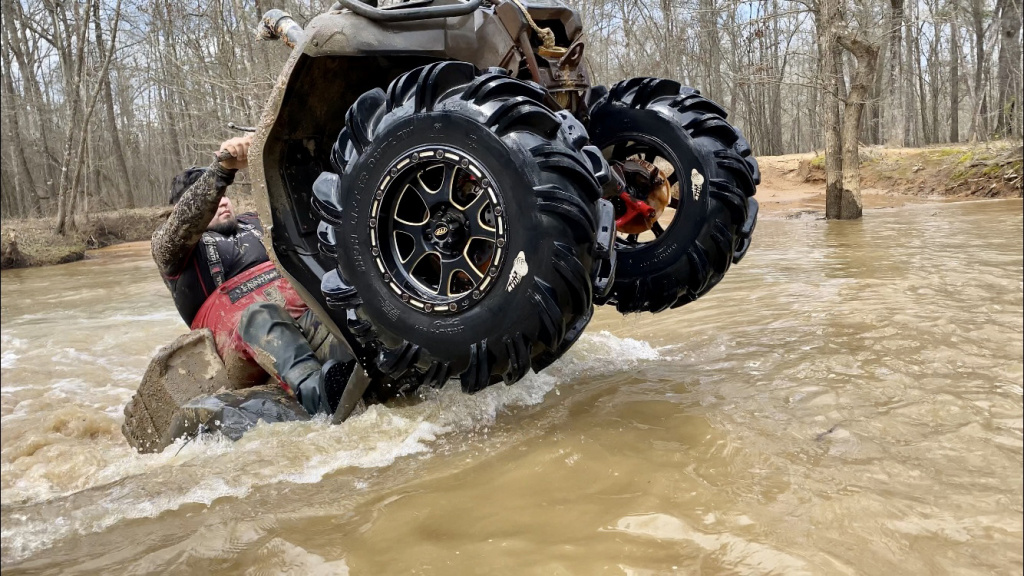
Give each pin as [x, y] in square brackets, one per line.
[450, 194]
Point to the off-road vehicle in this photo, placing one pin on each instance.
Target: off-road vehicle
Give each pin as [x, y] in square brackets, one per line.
[451, 195]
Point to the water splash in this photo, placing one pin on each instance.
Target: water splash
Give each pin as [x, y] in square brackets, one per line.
[105, 473]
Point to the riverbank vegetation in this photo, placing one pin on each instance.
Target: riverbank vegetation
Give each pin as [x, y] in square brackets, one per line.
[103, 101]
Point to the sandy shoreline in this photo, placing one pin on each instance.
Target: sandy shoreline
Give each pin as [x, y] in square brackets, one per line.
[785, 189]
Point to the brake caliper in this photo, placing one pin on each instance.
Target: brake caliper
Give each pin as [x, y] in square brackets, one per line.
[640, 195]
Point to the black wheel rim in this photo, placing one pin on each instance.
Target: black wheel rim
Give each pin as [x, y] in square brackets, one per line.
[437, 229]
[638, 146]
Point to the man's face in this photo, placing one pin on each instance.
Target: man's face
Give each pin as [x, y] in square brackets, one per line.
[224, 220]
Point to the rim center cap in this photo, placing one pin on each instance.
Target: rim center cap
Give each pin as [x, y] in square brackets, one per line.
[442, 230]
[447, 230]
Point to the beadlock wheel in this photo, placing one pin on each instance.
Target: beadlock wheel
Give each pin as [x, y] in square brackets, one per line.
[714, 177]
[438, 229]
[463, 214]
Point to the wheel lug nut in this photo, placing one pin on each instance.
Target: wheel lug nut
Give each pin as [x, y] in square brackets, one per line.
[415, 157]
[428, 307]
[501, 242]
[373, 221]
[375, 251]
[453, 307]
[464, 163]
[439, 153]
[485, 183]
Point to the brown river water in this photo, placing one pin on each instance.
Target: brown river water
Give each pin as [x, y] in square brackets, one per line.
[847, 401]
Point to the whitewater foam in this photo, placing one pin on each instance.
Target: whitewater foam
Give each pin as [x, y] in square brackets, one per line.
[307, 451]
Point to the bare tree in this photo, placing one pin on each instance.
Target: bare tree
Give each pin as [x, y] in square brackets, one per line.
[178, 73]
[1008, 77]
[954, 74]
[895, 129]
[828, 18]
[72, 58]
[866, 53]
[120, 178]
[23, 185]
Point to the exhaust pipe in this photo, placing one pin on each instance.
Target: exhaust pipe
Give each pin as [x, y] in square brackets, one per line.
[279, 24]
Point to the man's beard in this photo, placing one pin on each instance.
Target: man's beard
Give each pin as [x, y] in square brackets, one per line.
[226, 228]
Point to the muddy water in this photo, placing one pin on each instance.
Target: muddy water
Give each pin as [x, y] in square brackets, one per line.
[848, 400]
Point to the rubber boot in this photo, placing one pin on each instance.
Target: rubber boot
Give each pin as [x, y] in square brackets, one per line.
[321, 391]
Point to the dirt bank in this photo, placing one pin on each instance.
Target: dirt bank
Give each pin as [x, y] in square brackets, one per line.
[33, 242]
[893, 177]
[790, 184]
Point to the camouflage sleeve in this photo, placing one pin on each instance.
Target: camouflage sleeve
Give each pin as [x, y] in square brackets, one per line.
[174, 240]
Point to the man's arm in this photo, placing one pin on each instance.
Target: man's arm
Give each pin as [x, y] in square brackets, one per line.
[178, 236]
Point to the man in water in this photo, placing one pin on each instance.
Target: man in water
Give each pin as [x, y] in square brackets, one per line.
[218, 271]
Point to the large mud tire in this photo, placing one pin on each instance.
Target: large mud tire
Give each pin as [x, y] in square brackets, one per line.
[539, 296]
[712, 227]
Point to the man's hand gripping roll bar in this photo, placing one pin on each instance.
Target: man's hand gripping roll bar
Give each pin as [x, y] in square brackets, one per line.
[234, 153]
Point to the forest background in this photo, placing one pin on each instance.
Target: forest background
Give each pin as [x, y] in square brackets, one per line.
[103, 101]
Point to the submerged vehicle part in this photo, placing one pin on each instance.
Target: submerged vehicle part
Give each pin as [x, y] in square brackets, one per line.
[187, 389]
[233, 413]
[442, 186]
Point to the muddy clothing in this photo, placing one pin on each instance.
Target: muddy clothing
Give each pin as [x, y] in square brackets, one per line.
[194, 262]
[213, 260]
[174, 241]
[269, 330]
[228, 284]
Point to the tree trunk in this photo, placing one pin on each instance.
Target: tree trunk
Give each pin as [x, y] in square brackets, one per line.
[68, 189]
[933, 86]
[117, 151]
[1008, 74]
[954, 81]
[850, 207]
[979, 120]
[90, 107]
[75, 73]
[775, 89]
[895, 129]
[33, 99]
[909, 90]
[24, 183]
[828, 18]
[711, 44]
[10, 206]
[922, 96]
[873, 109]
